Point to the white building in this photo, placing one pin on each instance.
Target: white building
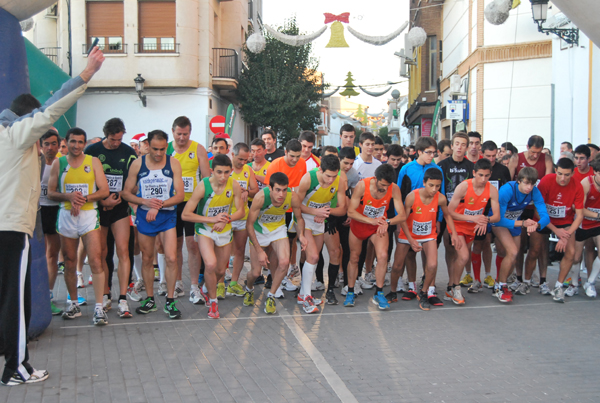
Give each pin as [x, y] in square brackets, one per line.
[188, 52]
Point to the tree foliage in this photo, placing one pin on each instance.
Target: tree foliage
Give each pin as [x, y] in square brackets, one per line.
[281, 88]
[384, 134]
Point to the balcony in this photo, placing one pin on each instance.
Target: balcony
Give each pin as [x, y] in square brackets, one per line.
[154, 48]
[52, 54]
[118, 48]
[225, 71]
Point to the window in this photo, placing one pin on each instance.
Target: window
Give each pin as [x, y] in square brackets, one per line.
[156, 27]
[105, 22]
[432, 62]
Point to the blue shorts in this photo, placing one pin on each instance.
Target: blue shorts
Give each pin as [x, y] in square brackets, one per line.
[165, 220]
[513, 231]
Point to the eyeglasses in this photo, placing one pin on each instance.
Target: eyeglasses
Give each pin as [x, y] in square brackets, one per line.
[429, 152]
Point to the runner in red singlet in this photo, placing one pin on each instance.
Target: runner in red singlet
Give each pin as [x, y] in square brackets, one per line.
[561, 194]
[368, 211]
[467, 209]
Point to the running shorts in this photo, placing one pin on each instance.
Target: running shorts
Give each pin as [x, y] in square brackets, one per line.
[183, 226]
[220, 239]
[109, 217]
[74, 227]
[165, 220]
[265, 240]
[49, 215]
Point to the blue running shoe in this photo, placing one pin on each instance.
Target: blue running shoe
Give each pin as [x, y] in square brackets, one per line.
[80, 299]
[381, 301]
[200, 278]
[350, 297]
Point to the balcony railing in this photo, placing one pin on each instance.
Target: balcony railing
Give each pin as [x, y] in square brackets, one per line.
[225, 63]
[52, 53]
[120, 48]
[156, 48]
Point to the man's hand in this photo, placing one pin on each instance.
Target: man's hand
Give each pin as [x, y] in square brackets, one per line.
[561, 245]
[531, 228]
[221, 218]
[111, 201]
[382, 227]
[219, 226]
[319, 220]
[244, 196]
[480, 220]
[95, 60]
[151, 215]
[262, 257]
[455, 240]
[562, 233]
[347, 222]
[481, 229]
[303, 241]
[153, 203]
[74, 210]
[415, 246]
[77, 199]
[322, 212]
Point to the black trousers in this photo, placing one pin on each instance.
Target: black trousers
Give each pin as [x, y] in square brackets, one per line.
[15, 302]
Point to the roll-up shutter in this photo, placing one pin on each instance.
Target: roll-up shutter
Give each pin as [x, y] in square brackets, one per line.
[156, 19]
[104, 19]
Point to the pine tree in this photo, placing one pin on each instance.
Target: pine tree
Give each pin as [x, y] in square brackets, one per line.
[349, 91]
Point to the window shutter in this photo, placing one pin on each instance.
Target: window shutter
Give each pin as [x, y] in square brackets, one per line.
[104, 19]
[156, 19]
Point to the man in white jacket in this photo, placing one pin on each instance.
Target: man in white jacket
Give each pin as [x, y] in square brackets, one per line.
[21, 127]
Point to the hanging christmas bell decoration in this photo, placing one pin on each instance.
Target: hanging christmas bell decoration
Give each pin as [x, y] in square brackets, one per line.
[337, 39]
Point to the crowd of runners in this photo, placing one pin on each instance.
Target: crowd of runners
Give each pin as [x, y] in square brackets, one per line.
[373, 206]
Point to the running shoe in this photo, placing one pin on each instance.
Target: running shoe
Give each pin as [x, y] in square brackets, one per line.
[139, 285]
[317, 286]
[73, 311]
[449, 294]
[293, 271]
[196, 296]
[249, 298]
[330, 297]
[434, 300]
[61, 267]
[221, 291]
[535, 280]
[279, 293]
[80, 300]
[380, 300]
[80, 280]
[387, 279]
[54, 309]
[124, 309]
[316, 301]
[400, 288]
[503, 294]
[269, 282]
[340, 280]
[162, 289]
[205, 296]
[228, 266]
[545, 289]
[259, 280]
[409, 295]
[523, 289]
[90, 281]
[590, 290]
[344, 291]
[571, 291]
[365, 285]
[358, 288]
[36, 376]
[515, 285]
[475, 287]
[235, 290]
[309, 305]
[558, 294]
[171, 310]
[287, 284]
[270, 306]
[457, 297]
[179, 292]
[467, 280]
[392, 296]
[156, 273]
[213, 311]
[133, 293]
[512, 278]
[424, 301]
[100, 318]
[228, 274]
[370, 277]
[148, 305]
[106, 303]
[200, 279]
[349, 301]
[488, 282]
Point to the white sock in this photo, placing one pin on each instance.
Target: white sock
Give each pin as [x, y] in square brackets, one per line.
[307, 274]
[412, 286]
[214, 300]
[527, 281]
[593, 275]
[558, 284]
[270, 294]
[431, 291]
[268, 272]
[98, 306]
[137, 266]
[162, 265]
[204, 289]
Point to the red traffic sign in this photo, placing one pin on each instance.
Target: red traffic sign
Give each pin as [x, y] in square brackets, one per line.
[217, 124]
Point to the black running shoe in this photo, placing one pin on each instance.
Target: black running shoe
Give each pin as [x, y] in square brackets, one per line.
[392, 296]
[172, 311]
[331, 299]
[268, 283]
[148, 306]
[259, 280]
[409, 295]
[435, 301]
[423, 301]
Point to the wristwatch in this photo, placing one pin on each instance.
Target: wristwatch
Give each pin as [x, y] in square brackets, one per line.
[86, 199]
[387, 221]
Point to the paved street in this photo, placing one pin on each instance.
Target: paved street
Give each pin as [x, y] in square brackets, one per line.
[530, 350]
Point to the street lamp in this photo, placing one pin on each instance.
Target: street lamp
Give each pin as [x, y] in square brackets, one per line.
[539, 9]
[139, 87]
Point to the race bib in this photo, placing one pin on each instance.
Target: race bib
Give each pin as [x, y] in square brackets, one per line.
[270, 218]
[556, 211]
[155, 191]
[595, 210]
[215, 211]
[77, 187]
[374, 212]
[318, 205]
[496, 184]
[513, 215]
[421, 228]
[44, 193]
[473, 212]
[188, 184]
[115, 182]
[243, 184]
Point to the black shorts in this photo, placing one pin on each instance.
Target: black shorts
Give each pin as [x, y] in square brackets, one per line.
[585, 234]
[288, 220]
[548, 231]
[441, 233]
[528, 214]
[183, 226]
[109, 217]
[49, 215]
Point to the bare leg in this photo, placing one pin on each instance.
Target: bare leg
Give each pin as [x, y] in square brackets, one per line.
[120, 230]
[380, 245]
[193, 260]
[52, 249]
[239, 248]
[169, 242]
[91, 241]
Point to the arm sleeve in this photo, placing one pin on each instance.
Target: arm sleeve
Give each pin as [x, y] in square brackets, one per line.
[504, 196]
[540, 206]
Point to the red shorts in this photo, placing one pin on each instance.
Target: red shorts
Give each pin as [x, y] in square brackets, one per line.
[468, 238]
[361, 230]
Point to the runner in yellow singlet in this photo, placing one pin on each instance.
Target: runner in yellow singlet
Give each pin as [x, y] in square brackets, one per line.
[214, 197]
[77, 181]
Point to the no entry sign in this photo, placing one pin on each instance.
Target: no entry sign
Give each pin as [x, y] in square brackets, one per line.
[217, 124]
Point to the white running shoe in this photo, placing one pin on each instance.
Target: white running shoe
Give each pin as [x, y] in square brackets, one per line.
[293, 271]
[545, 289]
[572, 290]
[196, 296]
[364, 284]
[80, 280]
[106, 303]
[287, 285]
[370, 278]
[227, 274]
[124, 311]
[90, 280]
[133, 293]
[358, 289]
[139, 285]
[590, 290]
[279, 293]
[162, 289]
[317, 286]
[344, 291]
[178, 289]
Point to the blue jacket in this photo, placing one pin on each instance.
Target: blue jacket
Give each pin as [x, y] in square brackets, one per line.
[513, 202]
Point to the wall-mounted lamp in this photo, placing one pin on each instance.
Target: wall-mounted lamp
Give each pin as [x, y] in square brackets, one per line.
[139, 87]
[539, 9]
